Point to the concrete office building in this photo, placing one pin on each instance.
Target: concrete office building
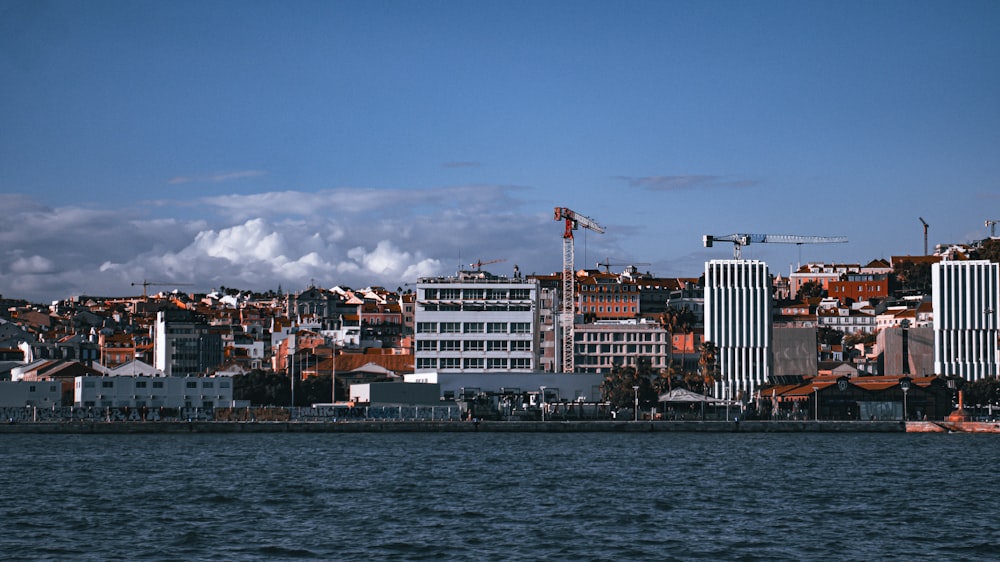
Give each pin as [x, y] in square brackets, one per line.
[738, 309]
[966, 300]
[476, 322]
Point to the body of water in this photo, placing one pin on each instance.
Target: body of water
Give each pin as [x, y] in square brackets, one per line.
[497, 496]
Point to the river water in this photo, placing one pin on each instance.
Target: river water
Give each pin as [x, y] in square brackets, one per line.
[499, 496]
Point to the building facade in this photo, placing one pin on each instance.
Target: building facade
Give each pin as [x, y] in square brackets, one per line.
[966, 300]
[738, 308]
[476, 322]
[184, 345]
[153, 392]
[601, 346]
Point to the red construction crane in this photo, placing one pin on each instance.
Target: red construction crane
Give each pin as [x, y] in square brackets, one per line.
[573, 220]
[481, 263]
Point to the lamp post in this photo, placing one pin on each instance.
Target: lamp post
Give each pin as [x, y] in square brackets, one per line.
[904, 385]
[542, 404]
[635, 389]
[816, 402]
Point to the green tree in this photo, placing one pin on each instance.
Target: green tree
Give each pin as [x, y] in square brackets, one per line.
[708, 365]
[990, 250]
[809, 290]
[912, 277]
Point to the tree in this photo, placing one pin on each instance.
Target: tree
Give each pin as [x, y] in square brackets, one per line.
[707, 363]
[617, 388]
[809, 290]
[829, 336]
[990, 250]
[912, 277]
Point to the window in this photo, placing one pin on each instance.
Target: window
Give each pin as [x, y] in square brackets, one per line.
[520, 294]
[427, 363]
[473, 327]
[474, 363]
[157, 384]
[426, 345]
[520, 327]
[520, 345]
[140, 384]
[450, 345]
[208, 384]
[496, 345]
[107, 384]
[426, 327]
[520, 363]
[450, 327]
[191, 384]
[449, 363]
[430, 293]
[496, 328]
[474, 345]
[498, 363]
[451, 294]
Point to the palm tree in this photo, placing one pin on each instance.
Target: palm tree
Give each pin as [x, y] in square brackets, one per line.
[707, 363]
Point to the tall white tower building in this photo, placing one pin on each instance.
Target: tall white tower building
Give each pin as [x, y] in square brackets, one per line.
[738, 322]
[966, 296]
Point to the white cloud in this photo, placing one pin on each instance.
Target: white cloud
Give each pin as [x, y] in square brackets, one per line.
[217, 177]
[353, 237]
[31, 265]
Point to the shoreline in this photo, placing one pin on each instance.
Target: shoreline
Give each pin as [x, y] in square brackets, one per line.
[375, 426]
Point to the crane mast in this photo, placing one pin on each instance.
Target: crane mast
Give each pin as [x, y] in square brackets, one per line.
[740, 240]
[573, 221]
[992, 225]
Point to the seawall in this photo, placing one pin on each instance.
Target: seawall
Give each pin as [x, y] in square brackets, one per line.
[372, 426]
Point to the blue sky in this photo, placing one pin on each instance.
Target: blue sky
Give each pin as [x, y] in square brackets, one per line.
[258, 144]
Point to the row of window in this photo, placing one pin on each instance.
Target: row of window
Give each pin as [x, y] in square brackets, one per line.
[626, 309]
[620, 337]
[619, 349]
[473, 327]
[617, 298]
[477, 294]
[478, 307]
[473, 345]
[473, 363]
[159, 384]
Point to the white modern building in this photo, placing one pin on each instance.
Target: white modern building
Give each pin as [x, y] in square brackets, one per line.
[738, 309]
[184, 345]
[966, 297]
[153, 392]
[41, 394]
[476, 322]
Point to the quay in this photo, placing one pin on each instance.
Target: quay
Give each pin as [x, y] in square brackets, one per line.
[484, 426]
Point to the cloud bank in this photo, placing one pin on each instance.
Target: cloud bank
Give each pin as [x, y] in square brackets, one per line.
[350, 236]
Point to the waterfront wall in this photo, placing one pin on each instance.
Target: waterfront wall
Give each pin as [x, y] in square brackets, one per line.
[749, 426]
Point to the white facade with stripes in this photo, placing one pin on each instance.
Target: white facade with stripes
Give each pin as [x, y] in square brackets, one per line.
[738, 306]
[966, 297]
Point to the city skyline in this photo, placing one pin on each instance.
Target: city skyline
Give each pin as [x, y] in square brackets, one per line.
[262, 145]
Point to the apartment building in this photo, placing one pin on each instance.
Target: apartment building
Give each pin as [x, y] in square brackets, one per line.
[476, 322]
[966, 297]
[601, 346]
[738, 308]
[153, 392]
[184, 344]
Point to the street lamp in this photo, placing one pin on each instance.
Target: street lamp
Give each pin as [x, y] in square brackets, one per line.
[904, 385]
[816, 402]
[636, 390]
[542, 403]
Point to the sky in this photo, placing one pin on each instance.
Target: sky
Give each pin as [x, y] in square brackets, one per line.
[263, 145]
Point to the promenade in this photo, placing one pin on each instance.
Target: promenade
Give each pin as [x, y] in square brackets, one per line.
[376, 426]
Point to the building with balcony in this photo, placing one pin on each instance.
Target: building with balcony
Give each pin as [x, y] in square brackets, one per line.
[476, 322]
